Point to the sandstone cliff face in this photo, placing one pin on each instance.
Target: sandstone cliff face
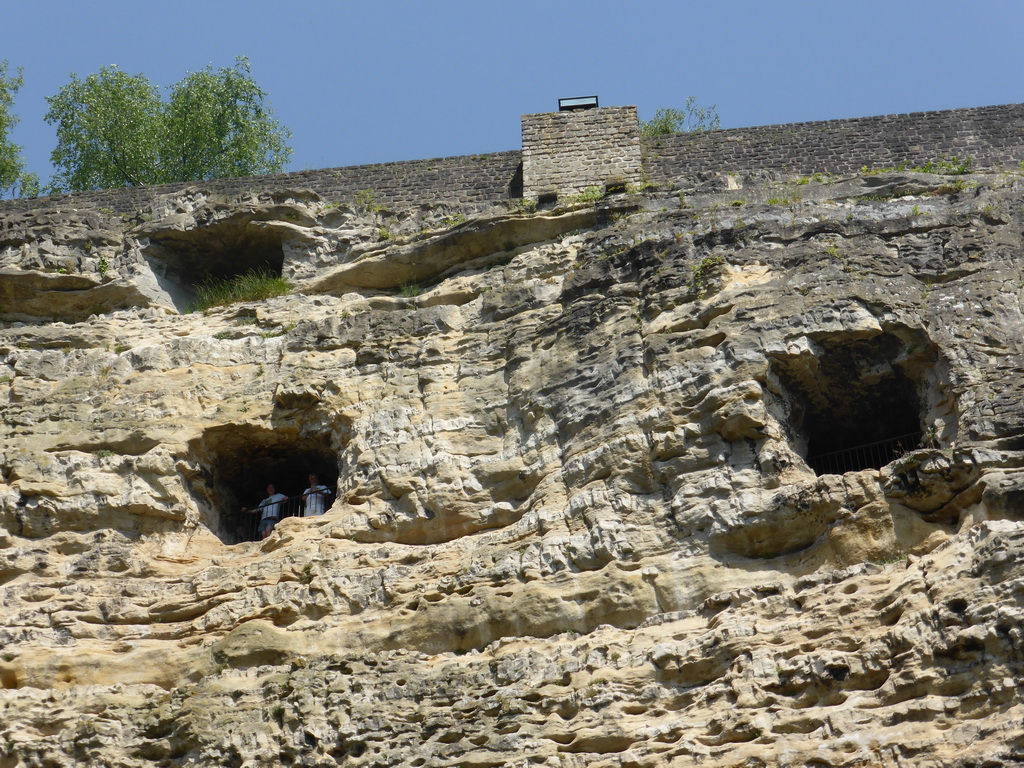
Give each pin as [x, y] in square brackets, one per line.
[597, 502]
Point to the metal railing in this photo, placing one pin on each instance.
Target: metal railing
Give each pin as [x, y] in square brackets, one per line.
[870, 455]
[248, 525]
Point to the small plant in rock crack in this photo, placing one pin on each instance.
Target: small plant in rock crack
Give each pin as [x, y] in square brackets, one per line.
[701, 274]
[888, 559]
[588, 195]
[410, 290]
[955, 166]
[833, 253]
[367, 200]
[952, 188]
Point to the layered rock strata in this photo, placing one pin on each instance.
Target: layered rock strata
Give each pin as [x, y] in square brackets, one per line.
[721, 475]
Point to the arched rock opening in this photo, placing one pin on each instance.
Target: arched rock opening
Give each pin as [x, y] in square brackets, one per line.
[182, 259]
[853, 401]
[239, 460]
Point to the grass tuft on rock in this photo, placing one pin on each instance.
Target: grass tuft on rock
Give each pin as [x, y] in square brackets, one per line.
[253, 285]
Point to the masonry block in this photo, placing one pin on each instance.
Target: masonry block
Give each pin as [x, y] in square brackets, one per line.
[570, 151]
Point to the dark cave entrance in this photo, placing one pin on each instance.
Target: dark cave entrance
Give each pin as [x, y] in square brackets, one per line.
[858, 402]
[238, 462]
[182, 260]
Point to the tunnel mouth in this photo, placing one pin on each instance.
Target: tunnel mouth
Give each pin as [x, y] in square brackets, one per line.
[183, 260]
[857, 402]
[237, 463]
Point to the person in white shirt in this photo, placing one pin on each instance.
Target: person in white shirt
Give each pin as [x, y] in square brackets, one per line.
[269, 510]
[315, 497]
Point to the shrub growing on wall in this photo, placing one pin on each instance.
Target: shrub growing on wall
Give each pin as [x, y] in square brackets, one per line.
[691, 118]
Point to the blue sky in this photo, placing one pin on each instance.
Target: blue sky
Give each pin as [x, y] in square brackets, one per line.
[374, 82]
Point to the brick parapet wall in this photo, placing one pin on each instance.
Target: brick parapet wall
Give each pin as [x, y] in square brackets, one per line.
[993, 136]
[566, 152]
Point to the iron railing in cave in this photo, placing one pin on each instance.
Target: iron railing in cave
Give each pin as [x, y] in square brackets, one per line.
[870, 455]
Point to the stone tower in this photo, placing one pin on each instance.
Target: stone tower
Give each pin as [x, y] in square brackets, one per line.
[566, 152]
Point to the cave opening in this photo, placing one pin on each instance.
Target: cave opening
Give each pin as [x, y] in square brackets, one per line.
[238, 462]
[182, 260]
[860, 402]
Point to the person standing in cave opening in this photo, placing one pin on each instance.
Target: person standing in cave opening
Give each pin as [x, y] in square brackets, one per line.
[269, 511]
[315, 497]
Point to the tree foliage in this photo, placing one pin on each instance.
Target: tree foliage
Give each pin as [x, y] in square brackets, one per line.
[691, 118]
[13, 179]
[109, 130]
[113, 129]
[217, 126]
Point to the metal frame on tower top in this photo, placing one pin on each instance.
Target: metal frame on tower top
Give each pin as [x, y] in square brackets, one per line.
[577, 102]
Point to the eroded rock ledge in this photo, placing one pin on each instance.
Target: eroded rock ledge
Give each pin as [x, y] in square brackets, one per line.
[722, 475]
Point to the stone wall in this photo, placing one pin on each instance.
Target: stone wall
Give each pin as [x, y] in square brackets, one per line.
[566, 152]
[465, 179]
[992, 136]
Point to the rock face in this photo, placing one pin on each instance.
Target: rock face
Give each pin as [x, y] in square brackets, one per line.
[724, 475]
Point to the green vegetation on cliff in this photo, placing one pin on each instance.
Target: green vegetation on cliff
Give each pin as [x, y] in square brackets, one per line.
[254, 285]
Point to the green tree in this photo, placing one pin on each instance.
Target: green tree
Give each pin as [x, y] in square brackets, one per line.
[113, 129]
[14, 182]
[109, 129]
[217, 126]
[691, 118]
